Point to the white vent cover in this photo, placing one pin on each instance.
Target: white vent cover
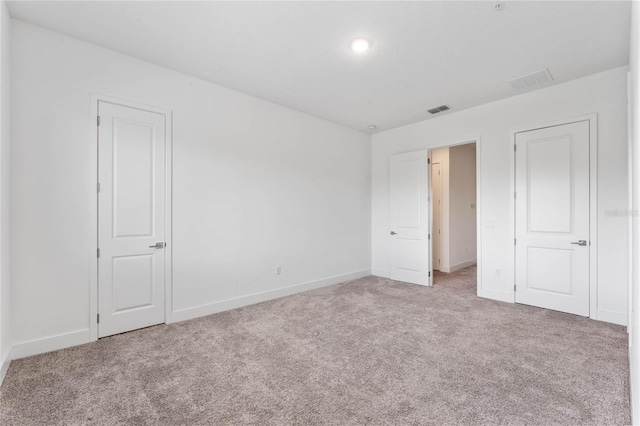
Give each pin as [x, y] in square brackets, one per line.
[531, 80]
[438, 109]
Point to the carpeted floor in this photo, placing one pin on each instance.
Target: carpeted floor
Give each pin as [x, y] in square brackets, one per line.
[370, 351]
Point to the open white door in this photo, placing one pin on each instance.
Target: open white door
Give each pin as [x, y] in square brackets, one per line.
[131, 219]
[552, 218]
[409, 218]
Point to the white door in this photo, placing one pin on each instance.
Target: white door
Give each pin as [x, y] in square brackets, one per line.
[409, 218]
[131, 222]
[436, 205]
[552, 218]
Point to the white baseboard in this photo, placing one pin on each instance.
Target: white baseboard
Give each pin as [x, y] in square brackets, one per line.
[614, 317]
[380, 273]
[459, 266]
[4, 365]
[48, 344]
[238, 302]
[80, 337]
[496, 295]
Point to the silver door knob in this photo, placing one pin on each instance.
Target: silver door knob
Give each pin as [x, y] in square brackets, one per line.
[580, 242]
[159, 245]
[393, 233]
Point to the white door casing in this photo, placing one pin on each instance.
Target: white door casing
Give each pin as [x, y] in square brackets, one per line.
[409, 217]
[552, 169]
[131, 218]
[436, 206]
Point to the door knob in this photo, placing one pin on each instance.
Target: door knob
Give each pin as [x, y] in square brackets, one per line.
[159, 245]
[580, 242]
[393, 233]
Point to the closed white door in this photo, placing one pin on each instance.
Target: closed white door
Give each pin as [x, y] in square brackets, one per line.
[409, 218]
[131, 222]
[552, 218]
[436, 205]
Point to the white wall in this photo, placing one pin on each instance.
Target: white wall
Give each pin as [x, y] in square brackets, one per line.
[462, 216]
[255, 185]
[604, 94]
[5, 230]
[634, 104]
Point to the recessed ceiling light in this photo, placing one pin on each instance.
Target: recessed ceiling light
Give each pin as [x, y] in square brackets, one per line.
[360, 45]
[372, 127]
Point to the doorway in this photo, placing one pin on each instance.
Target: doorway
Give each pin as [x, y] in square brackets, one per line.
[453, 211]
[133, 217]
[411, 214]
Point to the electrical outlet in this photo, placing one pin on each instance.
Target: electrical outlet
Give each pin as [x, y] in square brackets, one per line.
[498, 272]
[278, 270]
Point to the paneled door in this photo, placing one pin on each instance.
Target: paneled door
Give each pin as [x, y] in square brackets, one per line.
[552, 218]
[436, 206]
[131, 220]
[409, 218]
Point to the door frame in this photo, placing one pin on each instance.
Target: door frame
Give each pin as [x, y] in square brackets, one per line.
[478, 141]
[593, 201]
[93, 206]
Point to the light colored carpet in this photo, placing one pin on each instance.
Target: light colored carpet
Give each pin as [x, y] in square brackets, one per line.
[370, 351]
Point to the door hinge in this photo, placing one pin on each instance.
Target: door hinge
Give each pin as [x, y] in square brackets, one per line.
[514, 287]
[98, 120]
[514, 241]
[429, 273]
[98, 252]
[515, 147]
[98, 186]
[98, 318]
[428, 160]
[429, 236]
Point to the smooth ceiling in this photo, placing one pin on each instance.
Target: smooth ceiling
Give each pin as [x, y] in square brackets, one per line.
[297, 54]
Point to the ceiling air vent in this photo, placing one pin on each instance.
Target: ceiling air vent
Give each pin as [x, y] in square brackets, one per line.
[438, 109]
[531, 80]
